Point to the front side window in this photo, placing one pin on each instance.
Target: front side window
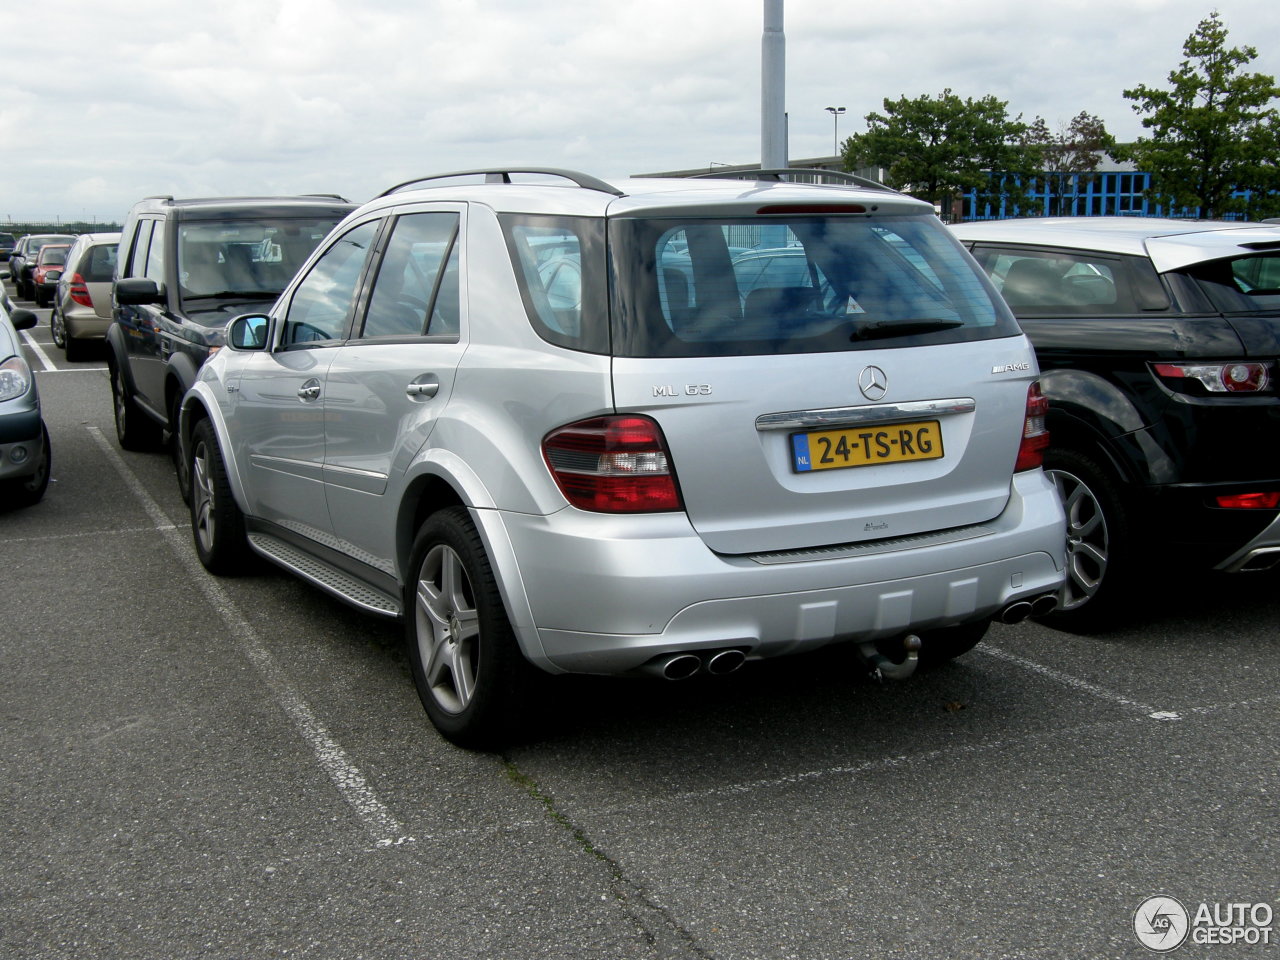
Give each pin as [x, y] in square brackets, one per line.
[154, 269]
[138, 252]
[321, 306]
[794, 284]
[416, 290]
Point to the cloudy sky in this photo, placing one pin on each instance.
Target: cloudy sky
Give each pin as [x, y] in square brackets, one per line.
[110, 100]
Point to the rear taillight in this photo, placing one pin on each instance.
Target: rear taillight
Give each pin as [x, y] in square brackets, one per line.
[1238, 376]
[615, 464]
[79, 291]
[1250, 501]
[1035, 432]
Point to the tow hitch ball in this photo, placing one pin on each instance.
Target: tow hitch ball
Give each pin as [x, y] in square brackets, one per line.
[882, 667]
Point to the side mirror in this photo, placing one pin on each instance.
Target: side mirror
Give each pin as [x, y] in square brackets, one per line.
[23, 319]
[249, 332]
[138, 290]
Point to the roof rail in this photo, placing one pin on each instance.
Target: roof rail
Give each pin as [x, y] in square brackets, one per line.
[782, 174]
[326, 196]
[503, 175]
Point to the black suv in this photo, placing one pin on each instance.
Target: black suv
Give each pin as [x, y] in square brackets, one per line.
[1158, 343]
[186, 267]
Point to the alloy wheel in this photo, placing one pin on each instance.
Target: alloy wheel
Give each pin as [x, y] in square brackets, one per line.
[1088, 542]
[448, 628]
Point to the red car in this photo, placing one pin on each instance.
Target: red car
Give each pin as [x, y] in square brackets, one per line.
[48, 269]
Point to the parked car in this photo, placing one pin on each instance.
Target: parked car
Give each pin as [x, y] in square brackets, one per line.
[25, 454]
[82, 302]
[44, 278]
[7, 243]
[606, 470]
[185, 268]
[22, 263]
[1158, 342]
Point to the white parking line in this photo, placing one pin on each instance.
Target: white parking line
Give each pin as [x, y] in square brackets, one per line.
[386, 830]
[38, 351]
[1075, 683]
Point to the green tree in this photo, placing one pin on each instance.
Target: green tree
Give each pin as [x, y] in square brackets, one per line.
[938, 148]
[1071, 156]
[1214, 132]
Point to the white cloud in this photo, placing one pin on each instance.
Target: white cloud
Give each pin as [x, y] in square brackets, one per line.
[122, 99]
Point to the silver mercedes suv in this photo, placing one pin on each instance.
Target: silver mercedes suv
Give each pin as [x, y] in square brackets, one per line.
[652, 426]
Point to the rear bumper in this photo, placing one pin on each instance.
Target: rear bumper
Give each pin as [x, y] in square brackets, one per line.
[606, 595]
[84, 324]
[1185, 519]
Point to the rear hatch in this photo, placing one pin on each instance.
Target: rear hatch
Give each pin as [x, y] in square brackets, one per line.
[820, 377]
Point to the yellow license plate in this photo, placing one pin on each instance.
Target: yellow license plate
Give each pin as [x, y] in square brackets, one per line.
[866, 446]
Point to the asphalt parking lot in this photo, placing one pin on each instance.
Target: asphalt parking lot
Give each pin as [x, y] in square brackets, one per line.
[240, 768]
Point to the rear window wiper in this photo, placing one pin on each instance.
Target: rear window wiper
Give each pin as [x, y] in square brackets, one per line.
[883, 329]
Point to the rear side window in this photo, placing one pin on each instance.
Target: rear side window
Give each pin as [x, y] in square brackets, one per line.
[560, 267]
[1248, 284]
[1071, 283]
[795, 284]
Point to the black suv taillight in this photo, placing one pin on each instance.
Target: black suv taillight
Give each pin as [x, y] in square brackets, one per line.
[1035, 434]
[616, 464]
[1232, 376]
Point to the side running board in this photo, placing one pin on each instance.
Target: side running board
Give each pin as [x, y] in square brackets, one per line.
[325, 576]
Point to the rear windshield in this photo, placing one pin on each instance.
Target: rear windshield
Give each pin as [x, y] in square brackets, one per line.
[98, 263]
[1248, 284]
[801, 284]
[224, 259]
[55, 255]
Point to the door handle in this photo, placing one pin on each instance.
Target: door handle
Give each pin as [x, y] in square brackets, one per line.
[309, 390]
[424, 387]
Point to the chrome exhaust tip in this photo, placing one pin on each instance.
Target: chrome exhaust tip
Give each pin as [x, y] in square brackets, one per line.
[680, 667]
[1015, 612]
[1044, 605]
[725, 662]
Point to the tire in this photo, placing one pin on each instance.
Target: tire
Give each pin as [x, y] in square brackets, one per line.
[27, 491]
[75, 349]
[217, 525]
[467, 665]
[181, 464]
[58, 330]
[1101, 568]
[134, 429]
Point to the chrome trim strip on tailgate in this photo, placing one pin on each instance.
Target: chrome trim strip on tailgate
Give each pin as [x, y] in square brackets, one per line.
[852, 416]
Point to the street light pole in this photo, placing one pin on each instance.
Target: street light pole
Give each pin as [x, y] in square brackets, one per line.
[835, 128]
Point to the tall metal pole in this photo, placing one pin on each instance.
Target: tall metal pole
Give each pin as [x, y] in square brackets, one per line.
[773, 66]
[835, 128]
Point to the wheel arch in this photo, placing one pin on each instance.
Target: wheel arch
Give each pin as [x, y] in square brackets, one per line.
[441, 480]
[199, 404]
